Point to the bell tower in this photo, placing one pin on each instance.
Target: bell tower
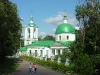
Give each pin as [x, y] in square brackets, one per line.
[31, 32]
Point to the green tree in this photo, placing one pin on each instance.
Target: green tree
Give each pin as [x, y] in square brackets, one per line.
[39, 38]
[82, 61]
[65, 54]
[86, 49]
[49, 37]
[21, 42]
[10, 28]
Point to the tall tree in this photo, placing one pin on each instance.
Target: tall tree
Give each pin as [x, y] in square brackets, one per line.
[10, 28]
[87, 49]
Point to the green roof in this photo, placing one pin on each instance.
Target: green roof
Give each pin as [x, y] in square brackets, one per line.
[57, 44]
[42, 43]
[30, 24]
[67, 43]
[22, 48]
[65, 28]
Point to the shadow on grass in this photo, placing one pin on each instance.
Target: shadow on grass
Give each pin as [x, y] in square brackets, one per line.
[9, 65]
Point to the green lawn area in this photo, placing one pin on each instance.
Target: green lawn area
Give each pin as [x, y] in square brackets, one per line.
[9, 65]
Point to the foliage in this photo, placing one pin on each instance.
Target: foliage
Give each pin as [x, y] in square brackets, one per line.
[9, 65]
[64, 55]
[86, 49]
[10, 28]
[40, 38]
[49, 37]
[50, 64]
[21, 42]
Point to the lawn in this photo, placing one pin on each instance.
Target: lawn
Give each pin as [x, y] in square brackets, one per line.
[8, 66]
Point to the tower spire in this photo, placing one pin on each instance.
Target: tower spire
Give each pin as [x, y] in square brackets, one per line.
[65, 14]
[31, 19]
[65, 17]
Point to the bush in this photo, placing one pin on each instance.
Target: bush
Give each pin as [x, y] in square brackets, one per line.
[51, 64]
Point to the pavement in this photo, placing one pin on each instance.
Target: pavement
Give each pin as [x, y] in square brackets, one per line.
[23, 69]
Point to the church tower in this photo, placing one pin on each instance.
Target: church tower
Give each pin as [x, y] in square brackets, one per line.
[31, 32]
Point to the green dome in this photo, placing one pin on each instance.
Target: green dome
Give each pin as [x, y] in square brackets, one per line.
[65, 28]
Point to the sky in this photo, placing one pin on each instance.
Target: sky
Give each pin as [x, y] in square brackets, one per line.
[47, 14]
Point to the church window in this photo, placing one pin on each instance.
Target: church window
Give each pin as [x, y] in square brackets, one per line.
[59, 37]
[35, 52]
[28, 30]
[30, 53]
[41, 51]
[53, 51]
[67, 37]
[58, 51]
[28, 33]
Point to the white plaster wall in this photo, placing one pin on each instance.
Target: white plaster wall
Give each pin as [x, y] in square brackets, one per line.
[26, 32]
[64, 35]
[32, 35]
[25, 36]
[27, 42]
[49, 52]
[44, 50]
[38, 50]
[31, 32]
[24, 43]
[37, 33]
[34, 32]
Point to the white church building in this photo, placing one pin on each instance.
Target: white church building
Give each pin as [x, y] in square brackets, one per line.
[64, 36]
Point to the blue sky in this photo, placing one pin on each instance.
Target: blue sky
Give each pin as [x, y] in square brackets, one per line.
[47, 14]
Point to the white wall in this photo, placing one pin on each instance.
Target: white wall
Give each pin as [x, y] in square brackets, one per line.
[64, 37]
[33, 35]
[45, 50]
[36, 33]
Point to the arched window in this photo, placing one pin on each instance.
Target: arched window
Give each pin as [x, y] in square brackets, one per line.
[28, 33]
[36, 53]
[28, 30]
[59, 37]
[41, 52]
[67, 37]
[30, 52]
[58, 51]
[34, 32]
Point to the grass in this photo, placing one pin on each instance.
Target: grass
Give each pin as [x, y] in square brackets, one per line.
[9, 65]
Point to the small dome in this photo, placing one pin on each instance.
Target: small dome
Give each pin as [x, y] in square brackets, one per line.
[65, 28]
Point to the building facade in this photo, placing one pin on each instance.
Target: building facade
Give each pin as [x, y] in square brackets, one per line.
[64, 36]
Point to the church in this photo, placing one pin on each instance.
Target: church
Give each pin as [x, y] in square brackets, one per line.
[64, 36]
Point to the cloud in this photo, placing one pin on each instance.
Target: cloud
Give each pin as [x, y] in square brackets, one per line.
[72, 19]
[55, 19]
[43, 34]
[58, 19]
[77, 28]
[52, 32]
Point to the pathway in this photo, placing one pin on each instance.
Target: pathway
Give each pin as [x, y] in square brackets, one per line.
[23, 70]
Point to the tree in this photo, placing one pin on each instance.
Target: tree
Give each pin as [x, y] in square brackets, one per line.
[49, 37]
[10, 28]
[86, 49]
[82, 61]
[21, 42]
[39, 38]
